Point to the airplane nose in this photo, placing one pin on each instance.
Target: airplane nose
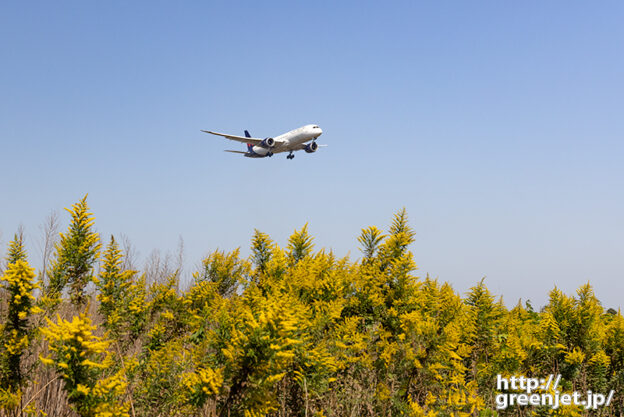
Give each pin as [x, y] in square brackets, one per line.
[320, 131]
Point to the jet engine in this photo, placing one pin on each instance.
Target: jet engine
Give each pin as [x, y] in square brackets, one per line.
[267, 143]
[311, 147]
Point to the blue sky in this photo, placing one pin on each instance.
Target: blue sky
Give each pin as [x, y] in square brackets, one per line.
[497, 125]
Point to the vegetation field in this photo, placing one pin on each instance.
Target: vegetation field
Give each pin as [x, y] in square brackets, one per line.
[287, 332]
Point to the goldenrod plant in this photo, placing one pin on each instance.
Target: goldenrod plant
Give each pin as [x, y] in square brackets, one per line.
[114, 285]
[18, 282]
[75, 257]
[227, 271]
[299, 245]
[16, 251]
[261, 247]
[290, 331]
[82, 359]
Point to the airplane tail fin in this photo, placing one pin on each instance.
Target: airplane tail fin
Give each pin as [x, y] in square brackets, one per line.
[249, 145]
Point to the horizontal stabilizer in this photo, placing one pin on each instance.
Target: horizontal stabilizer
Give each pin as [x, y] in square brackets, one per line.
[235, 151]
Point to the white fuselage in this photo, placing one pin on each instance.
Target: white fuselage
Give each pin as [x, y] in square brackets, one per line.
[290, 141]
[300, 135]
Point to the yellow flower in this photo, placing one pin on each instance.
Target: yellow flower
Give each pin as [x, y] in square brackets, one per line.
[46, 361]
[83, 389]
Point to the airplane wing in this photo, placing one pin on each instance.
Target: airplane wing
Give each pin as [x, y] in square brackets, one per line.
[235, 151]
[243, 139]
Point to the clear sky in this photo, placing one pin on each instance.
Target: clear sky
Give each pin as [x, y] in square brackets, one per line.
[498, 126]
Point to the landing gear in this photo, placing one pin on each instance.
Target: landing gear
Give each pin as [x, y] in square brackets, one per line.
[290, 156]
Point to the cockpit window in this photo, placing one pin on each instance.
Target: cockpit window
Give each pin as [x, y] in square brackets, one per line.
[315, 127]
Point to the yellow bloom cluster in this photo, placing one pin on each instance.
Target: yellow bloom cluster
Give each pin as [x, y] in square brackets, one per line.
[114, 384]
[74, 344]
[204, 381]
[15, 343]
[19, 278]
[80, 356]
[9, 400]
[74, 340]
[198, 299]
[111, 410]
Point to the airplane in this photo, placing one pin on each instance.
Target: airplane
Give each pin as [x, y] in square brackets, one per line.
[295, 140]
